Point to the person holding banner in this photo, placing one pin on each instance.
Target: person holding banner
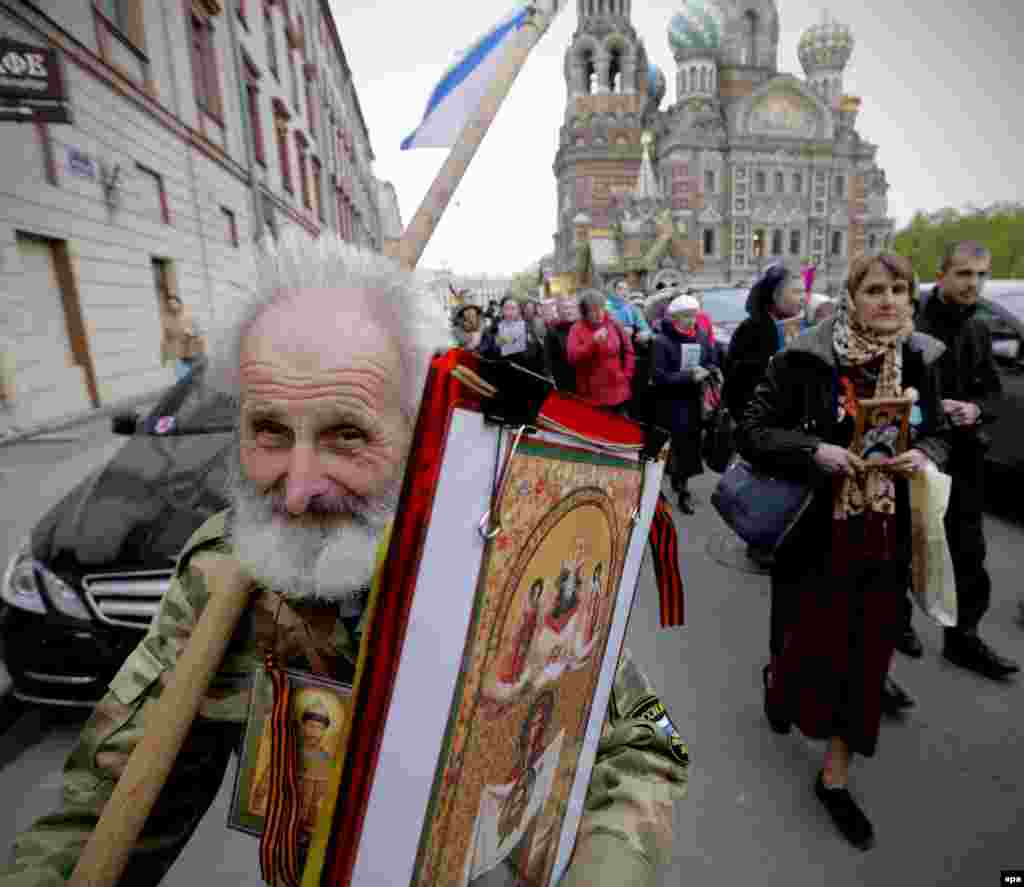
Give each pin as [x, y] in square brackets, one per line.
[683, 361]
[515, 340]
[326, 362]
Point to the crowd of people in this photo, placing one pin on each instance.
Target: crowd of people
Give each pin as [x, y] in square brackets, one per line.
[651, 359]
[791, 379]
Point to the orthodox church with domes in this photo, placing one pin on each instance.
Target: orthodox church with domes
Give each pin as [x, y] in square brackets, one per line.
[749, 165]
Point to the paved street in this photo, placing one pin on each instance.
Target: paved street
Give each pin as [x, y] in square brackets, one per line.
[944, 791]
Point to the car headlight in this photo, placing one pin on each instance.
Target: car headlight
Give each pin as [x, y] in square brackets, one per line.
[21, 588]
[62, 595]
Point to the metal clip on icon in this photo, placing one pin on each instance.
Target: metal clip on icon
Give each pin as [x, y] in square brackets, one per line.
[486, 528]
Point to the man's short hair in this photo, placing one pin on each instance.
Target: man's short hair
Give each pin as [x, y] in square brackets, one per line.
[399, 301]
[969, 249]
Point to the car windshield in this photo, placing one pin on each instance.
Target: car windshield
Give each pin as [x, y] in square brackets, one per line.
[190, 407]
[1011, 301]
[726, 305]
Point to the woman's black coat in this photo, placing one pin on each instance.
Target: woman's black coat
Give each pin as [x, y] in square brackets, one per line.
[795, 408]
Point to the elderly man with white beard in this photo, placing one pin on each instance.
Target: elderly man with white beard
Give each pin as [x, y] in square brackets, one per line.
[327, 363]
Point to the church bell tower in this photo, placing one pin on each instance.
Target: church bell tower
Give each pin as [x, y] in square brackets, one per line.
[608, 86]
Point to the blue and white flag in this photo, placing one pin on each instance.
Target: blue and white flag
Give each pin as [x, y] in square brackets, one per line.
[464, 85]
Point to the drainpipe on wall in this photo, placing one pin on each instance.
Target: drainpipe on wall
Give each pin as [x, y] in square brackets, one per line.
[247, 127]
[191, 162]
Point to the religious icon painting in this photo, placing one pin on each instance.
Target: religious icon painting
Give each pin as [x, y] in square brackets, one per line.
[321, 711]
[883, 428]
[492, 645]
[545, 598]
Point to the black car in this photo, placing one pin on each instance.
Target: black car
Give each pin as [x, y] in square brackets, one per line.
[83, 587]
[1001, 308]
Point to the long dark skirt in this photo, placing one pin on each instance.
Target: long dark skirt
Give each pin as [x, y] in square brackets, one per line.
[684, 458]
[836, 650]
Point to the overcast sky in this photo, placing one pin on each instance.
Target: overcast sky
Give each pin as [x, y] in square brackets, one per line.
[941, 92]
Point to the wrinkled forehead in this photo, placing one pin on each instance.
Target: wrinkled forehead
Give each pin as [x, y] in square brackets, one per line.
[316, 336]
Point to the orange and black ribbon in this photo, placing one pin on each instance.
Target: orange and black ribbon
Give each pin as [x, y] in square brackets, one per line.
[665, 548]
[279, 844]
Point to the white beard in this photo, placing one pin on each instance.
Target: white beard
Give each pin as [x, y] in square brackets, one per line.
[325, 563]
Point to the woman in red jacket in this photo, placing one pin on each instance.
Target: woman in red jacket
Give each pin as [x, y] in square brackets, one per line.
[602, 355]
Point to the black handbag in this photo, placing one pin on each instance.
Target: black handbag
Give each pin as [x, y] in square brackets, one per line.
[719, 440]
[761, 509]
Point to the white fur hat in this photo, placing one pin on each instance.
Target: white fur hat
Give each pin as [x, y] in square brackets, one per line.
[683, 303]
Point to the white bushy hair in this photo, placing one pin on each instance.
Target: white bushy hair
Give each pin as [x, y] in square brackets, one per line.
[398, 301]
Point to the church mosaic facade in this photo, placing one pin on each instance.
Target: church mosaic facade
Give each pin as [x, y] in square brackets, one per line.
[749, 165]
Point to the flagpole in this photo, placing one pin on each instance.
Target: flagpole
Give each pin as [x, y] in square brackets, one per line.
[419, 231]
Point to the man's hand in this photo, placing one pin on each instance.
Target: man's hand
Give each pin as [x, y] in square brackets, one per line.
[837, 460]
[961, 412]
[911, 462]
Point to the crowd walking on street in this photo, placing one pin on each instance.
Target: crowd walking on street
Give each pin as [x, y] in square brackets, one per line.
[791, 382]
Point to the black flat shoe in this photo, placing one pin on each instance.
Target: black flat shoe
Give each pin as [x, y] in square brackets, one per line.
[847, 816]
[894, 698]
[778, 722]
[909, 644]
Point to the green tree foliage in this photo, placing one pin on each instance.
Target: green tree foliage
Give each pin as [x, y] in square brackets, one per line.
[524, 285]
[1000, 227]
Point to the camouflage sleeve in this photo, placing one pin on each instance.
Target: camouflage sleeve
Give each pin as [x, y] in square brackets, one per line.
[627, 827]
[47, 853]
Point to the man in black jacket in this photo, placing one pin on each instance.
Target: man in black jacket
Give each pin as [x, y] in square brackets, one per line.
[971, 390]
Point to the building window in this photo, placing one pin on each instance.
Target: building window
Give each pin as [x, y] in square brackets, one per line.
[281, 117]
[872, 241]
[295, 80]
[840, 186]
[310, 93]
[819, 207]
[300, 150]
[253, 102]
[780, 183]
[760, 182]
[204, 66]
[794, 243]
[798, 183]
[251, 75]
[758, 243]
[709, 181]
[709, 241]
[160, 194]
[230, 226]
[318, 194]
[837, 243]
[776, 242]
[268, 33]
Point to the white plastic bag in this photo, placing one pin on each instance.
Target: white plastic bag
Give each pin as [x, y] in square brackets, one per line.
[934, 585]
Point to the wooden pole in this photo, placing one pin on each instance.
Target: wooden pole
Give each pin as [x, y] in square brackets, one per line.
[421, 228]
[105, 856]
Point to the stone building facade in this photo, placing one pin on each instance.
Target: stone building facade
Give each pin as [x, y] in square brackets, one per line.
[195, 128]
[749, 165]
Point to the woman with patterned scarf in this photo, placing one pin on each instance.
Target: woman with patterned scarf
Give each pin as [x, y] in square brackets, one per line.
[840, 575]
